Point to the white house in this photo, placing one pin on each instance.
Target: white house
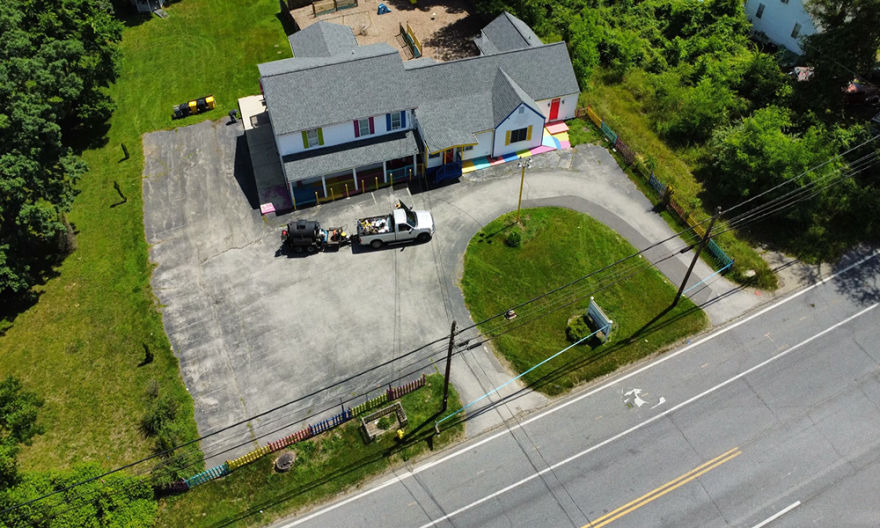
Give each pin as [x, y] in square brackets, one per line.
[785, 22]
[346, 117]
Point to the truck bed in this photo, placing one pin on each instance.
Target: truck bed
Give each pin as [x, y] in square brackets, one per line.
[375, 225]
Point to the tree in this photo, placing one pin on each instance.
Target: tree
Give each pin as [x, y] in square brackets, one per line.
[56, 58]
[113, 501]
[844, 47]
[18, 425]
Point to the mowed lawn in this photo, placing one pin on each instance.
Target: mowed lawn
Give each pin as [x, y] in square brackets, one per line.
[81, 345]
[559, 246]
[326, 465]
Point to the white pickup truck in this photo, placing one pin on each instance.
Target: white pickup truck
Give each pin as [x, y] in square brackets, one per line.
[400, 225]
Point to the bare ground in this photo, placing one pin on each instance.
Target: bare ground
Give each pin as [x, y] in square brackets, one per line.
[445, 29]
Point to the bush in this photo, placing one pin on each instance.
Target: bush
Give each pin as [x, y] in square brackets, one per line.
[577, 328]
[160, 414]
[514, 239]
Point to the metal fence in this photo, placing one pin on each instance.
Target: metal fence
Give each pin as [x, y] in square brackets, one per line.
[664, 192]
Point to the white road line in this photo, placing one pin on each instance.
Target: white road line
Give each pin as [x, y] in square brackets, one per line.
[777, 515]
[649, 420]
[561, 406]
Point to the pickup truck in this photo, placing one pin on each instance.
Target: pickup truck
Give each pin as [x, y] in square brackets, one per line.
[400, 225]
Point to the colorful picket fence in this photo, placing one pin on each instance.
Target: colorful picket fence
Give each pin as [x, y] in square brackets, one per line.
[391, 393]
[664, 191]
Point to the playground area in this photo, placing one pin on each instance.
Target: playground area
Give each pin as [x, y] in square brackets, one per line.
[444, 31]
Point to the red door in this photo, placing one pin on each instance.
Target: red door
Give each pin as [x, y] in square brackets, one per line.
[554, 110]
[447, 156]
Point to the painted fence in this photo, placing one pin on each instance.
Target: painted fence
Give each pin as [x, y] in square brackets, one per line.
[665, 192]
[391, 393]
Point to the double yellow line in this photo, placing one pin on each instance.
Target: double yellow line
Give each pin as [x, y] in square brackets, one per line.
[664, 489]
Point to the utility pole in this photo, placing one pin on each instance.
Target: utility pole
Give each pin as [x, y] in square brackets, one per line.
[522, 178]
[700, 247]
[448, 365]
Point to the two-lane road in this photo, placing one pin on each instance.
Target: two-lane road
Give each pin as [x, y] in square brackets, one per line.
[772, 421]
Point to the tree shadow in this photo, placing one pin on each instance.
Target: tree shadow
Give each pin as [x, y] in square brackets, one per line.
[455, 40]
[861, 282]
[81, 137]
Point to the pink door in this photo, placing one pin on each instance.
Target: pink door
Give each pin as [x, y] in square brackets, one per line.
[554, 110]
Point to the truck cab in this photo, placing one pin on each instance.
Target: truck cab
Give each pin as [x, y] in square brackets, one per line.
[401, 225]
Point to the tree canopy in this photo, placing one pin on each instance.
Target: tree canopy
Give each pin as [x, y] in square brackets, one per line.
[56, 58]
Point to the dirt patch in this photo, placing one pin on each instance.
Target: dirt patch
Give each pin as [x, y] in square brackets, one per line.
[445, 30]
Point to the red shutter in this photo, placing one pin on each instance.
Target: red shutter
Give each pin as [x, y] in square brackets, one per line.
[372, 130]
[357, 133]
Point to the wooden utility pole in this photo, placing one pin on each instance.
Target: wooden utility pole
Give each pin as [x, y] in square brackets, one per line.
[700, 247]
[448, 365]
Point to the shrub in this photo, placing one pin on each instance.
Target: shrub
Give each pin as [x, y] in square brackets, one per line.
[514, 239]
[577, 328]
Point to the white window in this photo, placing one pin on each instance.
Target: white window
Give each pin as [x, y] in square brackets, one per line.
[434, 155]
[364, 127]
[760, 11]
[395, 120]
[467, 148]
[519, 135]
[796, 31]
[522, 109]
[313, 137]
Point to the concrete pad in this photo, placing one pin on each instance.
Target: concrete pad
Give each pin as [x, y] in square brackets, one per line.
[255, 328]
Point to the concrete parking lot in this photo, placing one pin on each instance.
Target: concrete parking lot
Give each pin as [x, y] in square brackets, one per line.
[254, 327]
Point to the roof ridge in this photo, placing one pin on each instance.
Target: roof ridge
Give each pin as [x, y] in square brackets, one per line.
[391, 51]
[512, 19]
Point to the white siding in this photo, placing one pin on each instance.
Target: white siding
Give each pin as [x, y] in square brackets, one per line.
[514, 121]
[778, 20]
[482, 148]
[336, 134]
[567, 106]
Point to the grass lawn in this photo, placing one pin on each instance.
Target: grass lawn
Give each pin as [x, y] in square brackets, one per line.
[558, 246]
[326, 465]
[620, 106]
[80, 346]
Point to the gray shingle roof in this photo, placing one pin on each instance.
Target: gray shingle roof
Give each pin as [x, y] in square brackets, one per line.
[304, 93]
[347, 156]
[322, 39]
[506, 33]
[506, 96]
[457, 98]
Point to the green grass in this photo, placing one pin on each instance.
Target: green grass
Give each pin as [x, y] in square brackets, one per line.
[621, 106]
[581, 131]
[325, 466]
[558, 246]
[79, 347]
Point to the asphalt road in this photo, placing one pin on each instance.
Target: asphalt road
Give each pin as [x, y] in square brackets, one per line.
[769, 421]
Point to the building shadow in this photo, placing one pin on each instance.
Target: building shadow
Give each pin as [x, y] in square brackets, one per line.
[244, 172]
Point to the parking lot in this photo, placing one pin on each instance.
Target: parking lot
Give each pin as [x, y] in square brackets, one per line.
[254, 327]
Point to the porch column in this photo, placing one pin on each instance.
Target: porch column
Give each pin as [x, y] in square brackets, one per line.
[384, 173]
[354, 175]
[415, 168]
[324, 183]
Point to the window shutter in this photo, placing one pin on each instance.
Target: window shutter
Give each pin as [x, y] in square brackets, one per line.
[320, 137]
[529, 135]
[357, 132]
[507, 138]
[388, 122]
[403, 119]
[372, 130]
[305, 139]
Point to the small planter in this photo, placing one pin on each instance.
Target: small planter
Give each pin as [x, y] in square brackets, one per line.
[389, 419]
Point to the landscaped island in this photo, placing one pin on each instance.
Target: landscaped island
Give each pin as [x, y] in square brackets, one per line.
[555, 247]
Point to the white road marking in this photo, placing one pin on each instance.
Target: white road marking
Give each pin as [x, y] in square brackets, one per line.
[777, 515]
[648, 421]
[561, 406]
[659, 403]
